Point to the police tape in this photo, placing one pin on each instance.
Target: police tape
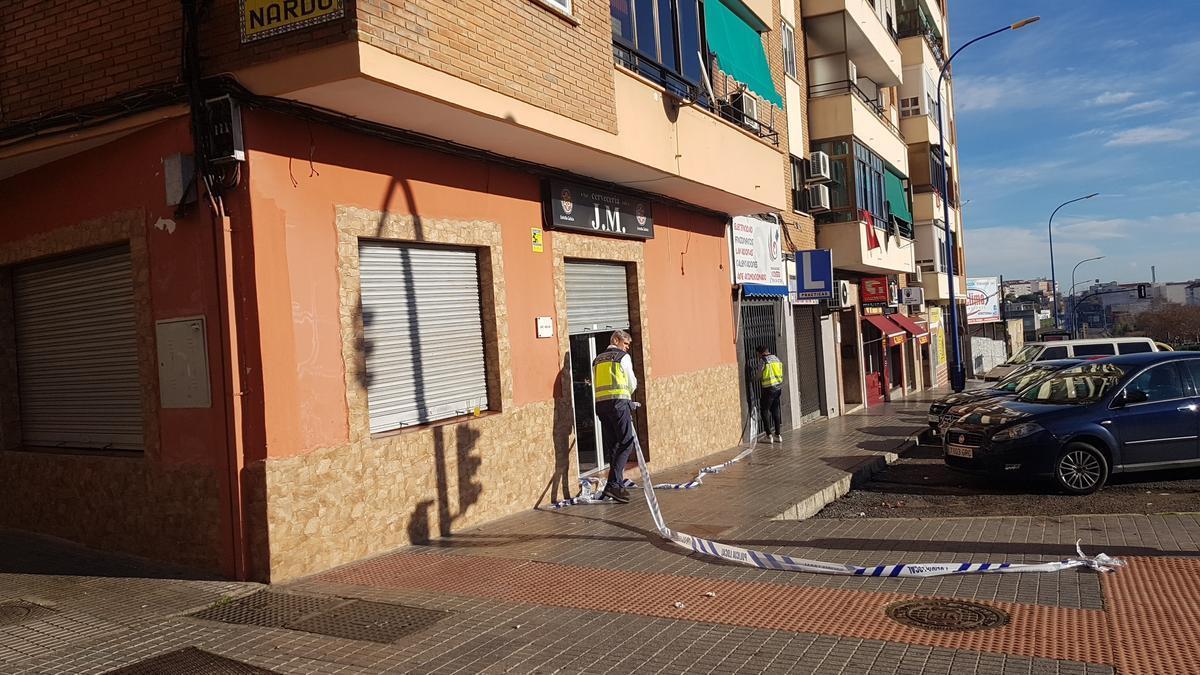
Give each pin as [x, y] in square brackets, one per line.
[591, 489]
[774, 561]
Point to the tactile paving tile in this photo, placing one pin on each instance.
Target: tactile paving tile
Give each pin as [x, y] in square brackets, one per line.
[1034, 630]
[190, 661]
[1154, 612]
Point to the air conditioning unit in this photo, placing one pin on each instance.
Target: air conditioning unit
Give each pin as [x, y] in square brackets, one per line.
[914, 278]
[818, 198]
[851, 72]
[742, 108]
[841, 296]
[819, 170]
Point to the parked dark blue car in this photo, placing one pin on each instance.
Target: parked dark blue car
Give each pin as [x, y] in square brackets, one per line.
[1138, 412]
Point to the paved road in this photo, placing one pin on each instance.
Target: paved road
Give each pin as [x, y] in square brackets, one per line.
[919, 485]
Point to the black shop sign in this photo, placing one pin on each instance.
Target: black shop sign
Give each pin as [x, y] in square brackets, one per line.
[587, 209]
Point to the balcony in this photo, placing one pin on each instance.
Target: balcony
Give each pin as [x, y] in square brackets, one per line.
[915, 24]
[661, 141]
[921, 17]
[841, 109]
[853, 30]
[852, 248]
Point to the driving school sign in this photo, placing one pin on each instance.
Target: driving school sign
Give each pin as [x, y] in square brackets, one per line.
[579, 207]
[264, 18]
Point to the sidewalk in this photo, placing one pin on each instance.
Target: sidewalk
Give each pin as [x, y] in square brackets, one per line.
[593, 589]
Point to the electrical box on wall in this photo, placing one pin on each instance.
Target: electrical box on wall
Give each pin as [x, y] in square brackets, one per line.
[225, 131]
[183, 378]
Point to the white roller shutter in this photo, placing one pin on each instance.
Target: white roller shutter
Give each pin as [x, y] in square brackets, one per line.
[77, 356]
[597, 297]
[423, 333]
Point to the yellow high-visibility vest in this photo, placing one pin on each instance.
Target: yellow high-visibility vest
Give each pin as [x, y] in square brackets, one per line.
[772, 372]
[608, 377]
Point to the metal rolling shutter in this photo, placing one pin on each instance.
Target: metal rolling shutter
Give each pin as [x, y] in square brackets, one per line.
[77, 355]
[423, 333]
[597, 297]
[808, 360]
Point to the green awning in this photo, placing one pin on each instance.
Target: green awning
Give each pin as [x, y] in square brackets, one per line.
[897, 200]
[739, 50]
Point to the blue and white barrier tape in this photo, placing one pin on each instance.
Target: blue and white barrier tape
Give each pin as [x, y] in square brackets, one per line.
[774, 561]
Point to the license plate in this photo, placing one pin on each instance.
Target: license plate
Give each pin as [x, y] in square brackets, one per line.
[934, 418]
[960, 451]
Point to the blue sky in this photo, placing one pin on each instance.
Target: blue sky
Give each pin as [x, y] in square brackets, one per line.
[1099, 96]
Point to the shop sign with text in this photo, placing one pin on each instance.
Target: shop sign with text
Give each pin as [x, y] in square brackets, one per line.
[587, 209]
[758, 253]
[264, 18]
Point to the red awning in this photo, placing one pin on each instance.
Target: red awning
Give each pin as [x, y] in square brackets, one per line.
[908, 325]
[884, 325]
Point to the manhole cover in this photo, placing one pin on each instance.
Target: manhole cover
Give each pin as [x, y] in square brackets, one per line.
[370, 621]
[190, 661]
[335, 617]
[946, 615]
[14, 612]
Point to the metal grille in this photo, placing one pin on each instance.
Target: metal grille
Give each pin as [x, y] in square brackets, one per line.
[190, 661]
[808, 360]
[15, 612]
[267, 609]
[370, 621]
[335, 617]
[759, 328]
[77, 355]
[597, 297]
[423, 333]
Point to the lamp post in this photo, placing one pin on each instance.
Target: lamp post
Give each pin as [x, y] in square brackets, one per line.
[1074, 309]
[958, 376]
[1050, 231]
[1071, 308]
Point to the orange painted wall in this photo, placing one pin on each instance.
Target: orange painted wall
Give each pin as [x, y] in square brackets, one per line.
[128, 175]
[294, 202]
[688, 293]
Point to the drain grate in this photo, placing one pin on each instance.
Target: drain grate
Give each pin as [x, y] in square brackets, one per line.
[370, 621]
[946, 615]
[267, 609]
[15, 612]
[189, 661]
[334, 617]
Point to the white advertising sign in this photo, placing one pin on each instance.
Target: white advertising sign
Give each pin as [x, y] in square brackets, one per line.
[983, 300]
[758, 252]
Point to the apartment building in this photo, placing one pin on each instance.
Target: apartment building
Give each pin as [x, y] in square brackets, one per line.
[286, 285]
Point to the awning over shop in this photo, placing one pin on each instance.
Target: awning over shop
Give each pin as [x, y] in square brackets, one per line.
[909, 325]
[897, 199]
[884, 325]
[739, 50]
[763, 290]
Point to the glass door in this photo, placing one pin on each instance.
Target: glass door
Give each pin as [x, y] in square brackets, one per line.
[589, 442]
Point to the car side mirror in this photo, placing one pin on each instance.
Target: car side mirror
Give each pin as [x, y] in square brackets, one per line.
[1131, 396]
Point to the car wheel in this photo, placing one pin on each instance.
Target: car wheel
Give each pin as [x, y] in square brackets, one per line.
[1081, 469]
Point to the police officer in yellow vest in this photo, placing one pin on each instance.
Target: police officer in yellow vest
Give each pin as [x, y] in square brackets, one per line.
[613, 383]
[770, 393]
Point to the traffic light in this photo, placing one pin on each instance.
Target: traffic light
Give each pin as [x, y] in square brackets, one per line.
[1143, 291]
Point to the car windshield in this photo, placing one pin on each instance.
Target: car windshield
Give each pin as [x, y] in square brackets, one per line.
[1025, 356]
[1026, 377]
[1079, 385]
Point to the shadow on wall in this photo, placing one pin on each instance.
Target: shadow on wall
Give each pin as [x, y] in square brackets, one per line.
[559, 486]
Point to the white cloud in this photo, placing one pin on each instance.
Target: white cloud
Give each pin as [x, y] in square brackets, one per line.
[1121, 44]
[1144, 107]
[1140, 135]
[1113, 97]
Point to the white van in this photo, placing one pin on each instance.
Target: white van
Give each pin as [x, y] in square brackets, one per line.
[1071, 349]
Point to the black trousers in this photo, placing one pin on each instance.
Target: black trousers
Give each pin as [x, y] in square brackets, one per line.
[768, 403]
[620, 438]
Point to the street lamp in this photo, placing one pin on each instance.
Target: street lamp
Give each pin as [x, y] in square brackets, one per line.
[1072, 294]
[958, 375]
[1050, 230]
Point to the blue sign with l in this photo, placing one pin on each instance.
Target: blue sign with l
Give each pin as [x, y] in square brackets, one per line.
[814, 275]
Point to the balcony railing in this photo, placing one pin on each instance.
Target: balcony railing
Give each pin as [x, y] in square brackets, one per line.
[914, 23]
[730, 94]
[847, 87]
